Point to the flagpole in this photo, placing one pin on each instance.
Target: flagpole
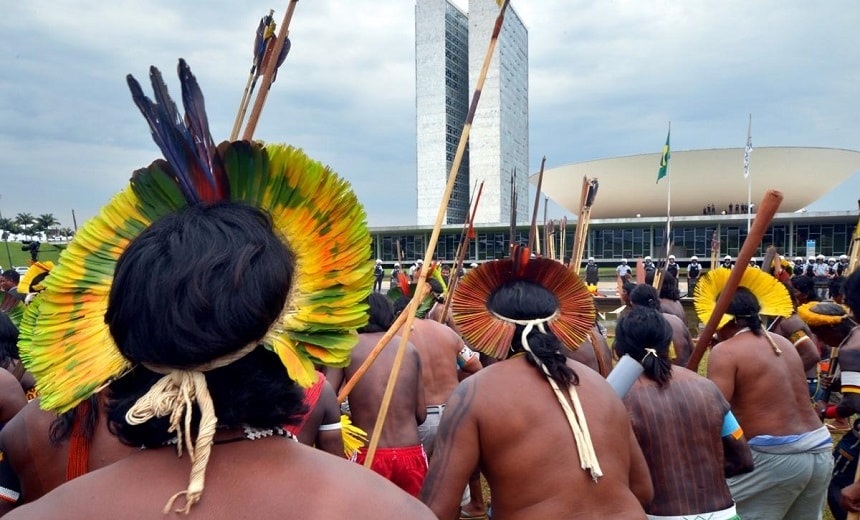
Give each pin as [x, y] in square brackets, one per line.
[668, 202]
[747, 153]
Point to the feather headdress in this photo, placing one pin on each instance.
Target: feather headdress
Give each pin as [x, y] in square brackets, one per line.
[67, 344]
[822, 314]
[485, 332]
[772, 296]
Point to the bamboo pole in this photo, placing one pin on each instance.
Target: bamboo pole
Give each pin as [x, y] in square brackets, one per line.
[533, 227]
[434, 238]
[461, 257]
[764, 215]
[589, 192]
[269, 73]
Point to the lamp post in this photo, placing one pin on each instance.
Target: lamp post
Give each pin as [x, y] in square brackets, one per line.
[6, 240]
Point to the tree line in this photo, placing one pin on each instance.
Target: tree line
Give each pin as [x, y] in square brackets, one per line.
[30, 226]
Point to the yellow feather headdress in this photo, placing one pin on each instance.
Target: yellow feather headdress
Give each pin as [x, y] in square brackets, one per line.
[771, 294]
[65, 341]
[485, 332]
[811, 314]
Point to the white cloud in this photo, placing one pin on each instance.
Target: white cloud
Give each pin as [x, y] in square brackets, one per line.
[605, 79]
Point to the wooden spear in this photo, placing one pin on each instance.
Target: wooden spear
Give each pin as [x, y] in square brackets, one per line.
[269, 73]
[434, 238]
[533, 228]
[589, 192]
[764, 215]
[454, 277]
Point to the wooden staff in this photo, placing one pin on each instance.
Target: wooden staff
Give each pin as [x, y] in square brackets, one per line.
[454, 277]
[374, 353]
[260, 47]
[589, 192]
[764, 215]
[715, 250]
[545, 232]
[269, 73]
[468, 227]
[854, 255]
[533, 227]
[434, 237]
[563, 237]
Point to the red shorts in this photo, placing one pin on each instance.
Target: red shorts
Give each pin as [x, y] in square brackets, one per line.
[405, 466]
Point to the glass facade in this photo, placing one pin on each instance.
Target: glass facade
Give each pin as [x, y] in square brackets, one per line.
[448, 44]
[614, 241]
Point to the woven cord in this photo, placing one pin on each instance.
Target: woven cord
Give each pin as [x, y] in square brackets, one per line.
[576, 416]
[173, 396]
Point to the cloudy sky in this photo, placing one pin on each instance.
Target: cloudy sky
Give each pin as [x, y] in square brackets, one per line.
[605, 78]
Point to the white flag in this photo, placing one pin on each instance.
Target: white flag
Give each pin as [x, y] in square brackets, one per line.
[748, 152]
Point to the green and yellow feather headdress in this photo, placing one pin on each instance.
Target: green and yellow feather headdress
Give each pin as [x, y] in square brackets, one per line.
[771, 294]
[66, 343]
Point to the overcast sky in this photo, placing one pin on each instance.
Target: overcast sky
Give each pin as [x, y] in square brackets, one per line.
[605, 77]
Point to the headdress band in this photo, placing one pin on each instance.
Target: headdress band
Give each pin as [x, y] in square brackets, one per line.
[649, 352]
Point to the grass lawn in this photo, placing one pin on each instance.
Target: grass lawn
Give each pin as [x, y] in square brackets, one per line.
[47, 251]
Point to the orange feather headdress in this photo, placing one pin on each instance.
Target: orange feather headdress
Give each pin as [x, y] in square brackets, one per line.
[488, 333]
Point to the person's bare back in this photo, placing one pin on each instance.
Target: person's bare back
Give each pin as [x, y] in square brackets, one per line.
[42, 465]
[438, 347]
[507, 417]
[247, 479]
[407, 409]
[681, 339]
[768, 392]
[676, 424]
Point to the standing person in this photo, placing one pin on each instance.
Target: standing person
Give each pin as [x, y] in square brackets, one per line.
[727, 262]
[395, 274]
[761, 375]
[644, 295]
[551, 437]
[670, 298]
[378, 275]
[650, 268]
[623, 272]
[415, 269]
[400, 457]
[667, 394]
[672, 266]
[191, 300]
[693, 272]
[592, 272]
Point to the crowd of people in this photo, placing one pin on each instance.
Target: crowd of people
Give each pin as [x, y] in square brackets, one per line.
[201, 350]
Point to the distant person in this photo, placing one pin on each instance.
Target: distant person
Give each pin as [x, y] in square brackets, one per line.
[592, 272]
[378, 275]
[727, 262]
[672, 266]
[693, 272]
[9, 283]
[623, 272]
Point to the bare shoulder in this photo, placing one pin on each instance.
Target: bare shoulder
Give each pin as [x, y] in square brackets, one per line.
[849, 352]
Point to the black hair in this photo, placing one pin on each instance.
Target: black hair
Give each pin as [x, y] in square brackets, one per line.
[435, 285]
[12, 275]
[8, 340]
[381, 313]
[646, 328]
[646, 296]
[669, 287]
[745, 308]
[400, 304]
[851, 293]
[87, 412]
[196, 285]
[525, 300]
[804, 285]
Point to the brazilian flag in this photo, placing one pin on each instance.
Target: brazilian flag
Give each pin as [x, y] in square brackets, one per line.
[664, 158]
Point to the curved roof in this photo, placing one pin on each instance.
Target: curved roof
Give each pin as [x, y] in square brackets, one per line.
[700, 177]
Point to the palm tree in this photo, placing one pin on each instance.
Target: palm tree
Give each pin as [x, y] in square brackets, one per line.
[66, 233]
[45, 222]
[24, 222]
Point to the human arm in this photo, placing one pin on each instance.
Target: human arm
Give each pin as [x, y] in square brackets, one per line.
[12, 398]
[456, 453]
[640, 476]
[736, 451]
[468, 360]
[329, 437]
[335, 377]
[849, 364]
[420, 400]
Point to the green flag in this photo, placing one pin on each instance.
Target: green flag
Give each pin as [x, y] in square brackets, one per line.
[664, 159]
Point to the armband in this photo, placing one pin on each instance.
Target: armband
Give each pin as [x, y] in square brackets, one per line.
[731, 428]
